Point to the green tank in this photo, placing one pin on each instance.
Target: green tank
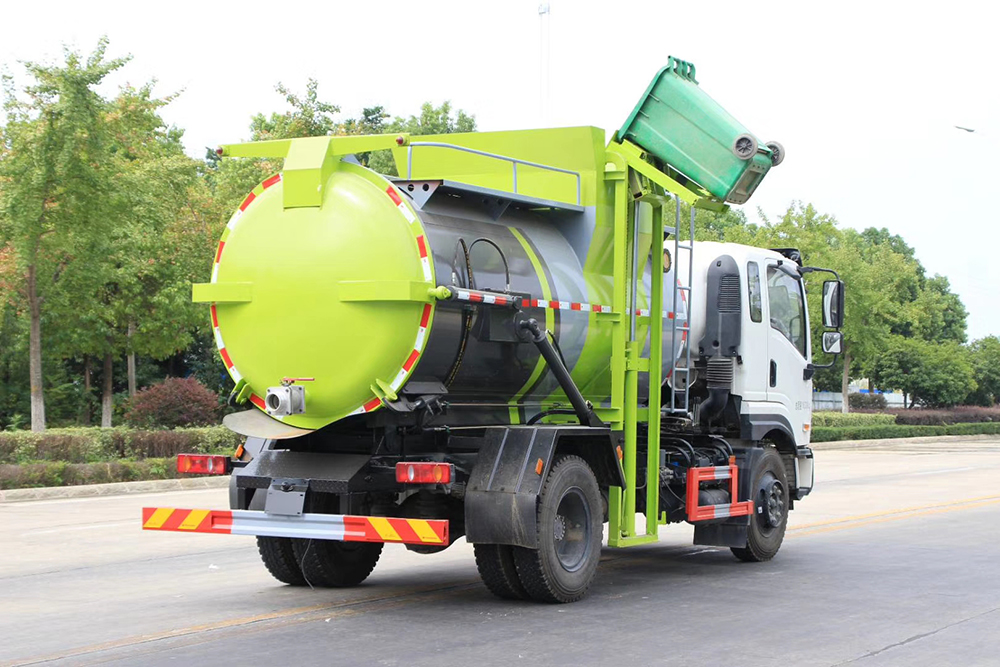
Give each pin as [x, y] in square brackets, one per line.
[677, 122]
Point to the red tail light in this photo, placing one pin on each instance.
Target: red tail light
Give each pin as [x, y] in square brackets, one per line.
[424, 473]
[202, 464]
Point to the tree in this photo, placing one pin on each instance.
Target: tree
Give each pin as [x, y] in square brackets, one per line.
[985, 357]
[52, 184]
[932, 374]
[431, 120]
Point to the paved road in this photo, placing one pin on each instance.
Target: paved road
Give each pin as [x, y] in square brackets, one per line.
[894, 560]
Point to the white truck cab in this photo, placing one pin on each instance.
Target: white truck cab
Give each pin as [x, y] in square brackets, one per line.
[771, 353]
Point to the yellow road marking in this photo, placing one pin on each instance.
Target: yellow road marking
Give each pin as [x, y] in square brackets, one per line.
[424, 531]
[193, 519]
[904, 510]
[891, 516]
[159, 517]
[384, 529]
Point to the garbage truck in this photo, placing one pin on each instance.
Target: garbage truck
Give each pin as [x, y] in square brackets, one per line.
[516, 340]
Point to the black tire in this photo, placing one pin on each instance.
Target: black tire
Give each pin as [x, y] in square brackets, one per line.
[498, 571]
[279, 559]
[336, 564]
[770, 512]
[569, 529]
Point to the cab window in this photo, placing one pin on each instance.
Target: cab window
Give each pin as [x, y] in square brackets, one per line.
[784, 297]
[753, 290]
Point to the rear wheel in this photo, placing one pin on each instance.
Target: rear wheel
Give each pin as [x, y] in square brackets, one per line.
[498, 571]
[336, 564]
[279, 559]
[770, 510]
[563, 566]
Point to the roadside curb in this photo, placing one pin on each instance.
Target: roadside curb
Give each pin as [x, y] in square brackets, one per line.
[889, 442]
[113, 489]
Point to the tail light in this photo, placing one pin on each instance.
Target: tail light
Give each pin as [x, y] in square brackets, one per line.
[202, 464]
[424, 473]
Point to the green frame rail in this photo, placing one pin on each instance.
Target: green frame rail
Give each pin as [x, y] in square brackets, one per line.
[634, 179]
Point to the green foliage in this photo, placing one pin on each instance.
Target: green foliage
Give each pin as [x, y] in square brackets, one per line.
[827, 434]
[42, 474]
[985, 354]
[95, 445]
[933, 374]
[964, 414]
[173, 403]
[866, 402]
[838, 419]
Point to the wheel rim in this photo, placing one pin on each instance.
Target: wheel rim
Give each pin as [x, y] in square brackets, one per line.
[571, 530]
[772, 504]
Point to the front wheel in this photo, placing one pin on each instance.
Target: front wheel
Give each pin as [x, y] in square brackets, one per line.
[569, 517]
[770, 510]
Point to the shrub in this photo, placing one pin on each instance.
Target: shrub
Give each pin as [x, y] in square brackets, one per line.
[837, 419]
[48, 473]
[831, 434]
[866, 401]
[966, 414]
[92, 445]
[173, 403]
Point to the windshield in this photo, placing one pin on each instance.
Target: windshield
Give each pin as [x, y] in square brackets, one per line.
[784, 296]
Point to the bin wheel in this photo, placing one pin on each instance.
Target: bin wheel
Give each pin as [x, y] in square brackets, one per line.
[770, 510]
[777, 152]
[569, 529]
[745, 147]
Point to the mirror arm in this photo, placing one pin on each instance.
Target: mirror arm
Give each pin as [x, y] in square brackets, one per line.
[815, 269]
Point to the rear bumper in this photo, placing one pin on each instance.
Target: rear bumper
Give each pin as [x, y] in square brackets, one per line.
[345, 528]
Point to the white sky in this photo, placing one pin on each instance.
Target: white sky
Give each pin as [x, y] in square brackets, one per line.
[863, 95]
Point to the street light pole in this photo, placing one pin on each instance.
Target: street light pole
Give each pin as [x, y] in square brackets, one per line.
[543, 68]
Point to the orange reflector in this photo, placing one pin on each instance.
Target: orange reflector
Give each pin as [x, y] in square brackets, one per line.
[239, 452]
[539, 467]
[423, 473]
[621, 454]
[202, 464]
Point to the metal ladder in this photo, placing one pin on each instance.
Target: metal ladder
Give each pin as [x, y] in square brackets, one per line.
[685, 330]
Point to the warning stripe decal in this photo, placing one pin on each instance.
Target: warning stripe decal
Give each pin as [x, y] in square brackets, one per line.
[316, 526]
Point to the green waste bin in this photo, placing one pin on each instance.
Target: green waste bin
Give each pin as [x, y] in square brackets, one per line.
[677, 122]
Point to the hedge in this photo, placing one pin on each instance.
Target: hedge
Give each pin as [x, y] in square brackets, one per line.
[60, 473]
[878, 431]
[839, 419]
[95, 445]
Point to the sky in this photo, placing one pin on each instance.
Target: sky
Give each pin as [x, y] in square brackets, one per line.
[864, 96]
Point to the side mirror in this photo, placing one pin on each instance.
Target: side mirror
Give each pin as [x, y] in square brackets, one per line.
[833, 305]
[833, 342]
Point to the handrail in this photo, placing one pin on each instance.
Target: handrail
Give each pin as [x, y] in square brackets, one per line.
[513, 160]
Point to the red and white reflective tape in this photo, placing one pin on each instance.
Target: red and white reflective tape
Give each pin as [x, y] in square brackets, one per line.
[425, 260]
[474, 296]
[566, 305]
[222, 347]
[425, 316]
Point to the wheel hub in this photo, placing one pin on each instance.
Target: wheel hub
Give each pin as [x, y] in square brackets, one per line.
[774, 503]
[559, 527]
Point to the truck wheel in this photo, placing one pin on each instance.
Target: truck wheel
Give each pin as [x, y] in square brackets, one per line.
[279, 559]
[563, 566]
[770, 510]
[498, 572]
[336, 564]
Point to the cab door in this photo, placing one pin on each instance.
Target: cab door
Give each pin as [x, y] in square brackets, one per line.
[788, 351]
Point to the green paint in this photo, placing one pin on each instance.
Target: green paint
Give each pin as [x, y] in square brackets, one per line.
[376, 322]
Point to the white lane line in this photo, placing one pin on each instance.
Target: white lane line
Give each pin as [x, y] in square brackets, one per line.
[27, 504]
[92, 526]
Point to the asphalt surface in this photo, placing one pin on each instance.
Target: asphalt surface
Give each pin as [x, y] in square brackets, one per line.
[893, 560]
